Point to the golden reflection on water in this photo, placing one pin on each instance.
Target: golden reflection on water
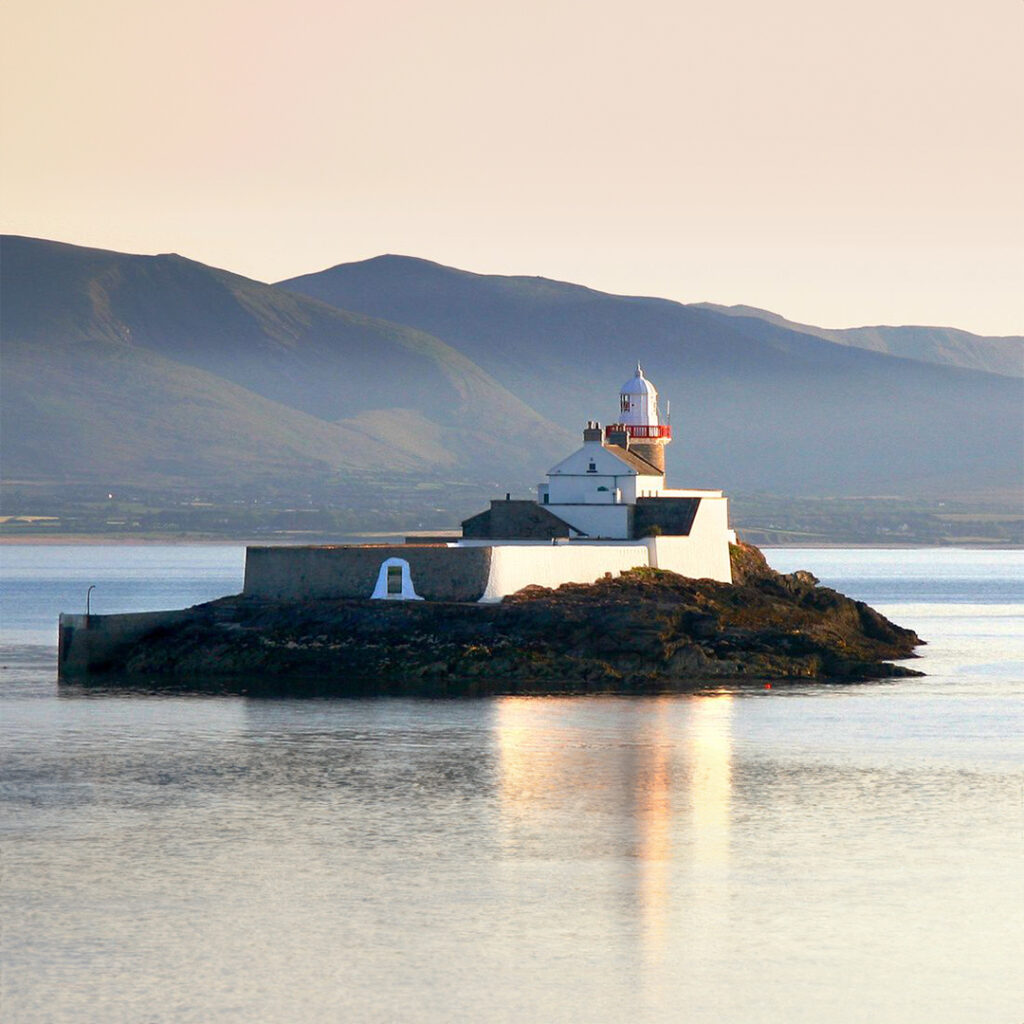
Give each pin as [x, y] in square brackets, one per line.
[653, 796]
[650, 778]
[710, 755]
[682, 807]
[512, 716]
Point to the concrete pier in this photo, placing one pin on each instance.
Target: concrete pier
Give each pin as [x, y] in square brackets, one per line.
[92, 643]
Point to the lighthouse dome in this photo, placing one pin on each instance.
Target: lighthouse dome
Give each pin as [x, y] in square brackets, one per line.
[638, 384]
[638, 401]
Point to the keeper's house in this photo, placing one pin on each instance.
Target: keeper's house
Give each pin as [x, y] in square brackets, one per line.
[604, 509]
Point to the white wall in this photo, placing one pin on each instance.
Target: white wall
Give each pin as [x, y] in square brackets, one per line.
[578, 490]
[687, 492]
[595, 520]
[577, 464]
[704, 554]
[550, 565]
[647, 487]
[569, 481]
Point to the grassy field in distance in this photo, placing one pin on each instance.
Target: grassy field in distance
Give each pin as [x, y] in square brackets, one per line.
[402, 507]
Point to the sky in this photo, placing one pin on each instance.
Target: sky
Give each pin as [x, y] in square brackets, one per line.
[840, 163]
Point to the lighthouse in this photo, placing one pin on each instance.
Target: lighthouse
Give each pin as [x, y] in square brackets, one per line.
[639, 420]
[612, 489]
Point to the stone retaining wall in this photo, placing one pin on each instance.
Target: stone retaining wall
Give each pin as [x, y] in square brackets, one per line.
[438, 572]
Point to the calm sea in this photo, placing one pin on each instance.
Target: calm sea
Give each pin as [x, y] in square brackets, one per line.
[811, 853]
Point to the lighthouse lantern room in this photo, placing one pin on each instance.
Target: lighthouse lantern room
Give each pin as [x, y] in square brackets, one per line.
[638, 417]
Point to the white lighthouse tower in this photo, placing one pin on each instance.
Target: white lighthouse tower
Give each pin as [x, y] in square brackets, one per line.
[638, 417]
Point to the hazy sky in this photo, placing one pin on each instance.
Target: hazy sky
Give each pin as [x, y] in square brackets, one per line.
[841, 163]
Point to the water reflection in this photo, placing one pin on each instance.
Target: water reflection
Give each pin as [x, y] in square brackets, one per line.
[710, 753]
[410, 860]
[646, 783]
[653, 797]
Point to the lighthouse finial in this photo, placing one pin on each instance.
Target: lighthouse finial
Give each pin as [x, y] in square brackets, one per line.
[639, 369]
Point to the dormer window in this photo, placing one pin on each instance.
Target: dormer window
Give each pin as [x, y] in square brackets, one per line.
[592, 468]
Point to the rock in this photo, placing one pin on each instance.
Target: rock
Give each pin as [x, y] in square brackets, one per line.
[644, 631]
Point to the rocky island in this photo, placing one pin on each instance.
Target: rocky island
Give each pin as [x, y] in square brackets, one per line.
[644, 631]
[608, 581]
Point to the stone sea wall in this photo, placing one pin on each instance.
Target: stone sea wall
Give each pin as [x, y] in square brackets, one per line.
[319, 573]
[96, 643]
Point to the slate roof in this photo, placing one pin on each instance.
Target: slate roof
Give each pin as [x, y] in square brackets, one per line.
[516, 520]
[633, 460]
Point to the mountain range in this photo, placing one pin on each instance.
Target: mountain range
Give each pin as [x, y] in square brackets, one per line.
[163, 372]
[943, 345]
[756, 404]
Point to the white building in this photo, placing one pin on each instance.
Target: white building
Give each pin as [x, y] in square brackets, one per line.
[613, 490]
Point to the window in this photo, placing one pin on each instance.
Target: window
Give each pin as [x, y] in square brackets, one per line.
[624, 403]
[394, 579]
[592, 468]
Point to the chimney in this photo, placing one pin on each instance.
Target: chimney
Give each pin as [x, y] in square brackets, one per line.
[592, 431]
[618, 435]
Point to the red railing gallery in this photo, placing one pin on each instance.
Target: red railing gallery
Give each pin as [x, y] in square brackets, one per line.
[637, 432]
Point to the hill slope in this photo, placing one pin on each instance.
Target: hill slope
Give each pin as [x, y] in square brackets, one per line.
[945, 346]
[159, 354]
[98, 411]
[756, 405]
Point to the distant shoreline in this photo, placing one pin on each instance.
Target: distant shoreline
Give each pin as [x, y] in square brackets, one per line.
[105, 540]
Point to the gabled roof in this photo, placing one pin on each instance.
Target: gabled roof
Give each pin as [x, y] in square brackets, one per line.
[631, 459]
[611, 460]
